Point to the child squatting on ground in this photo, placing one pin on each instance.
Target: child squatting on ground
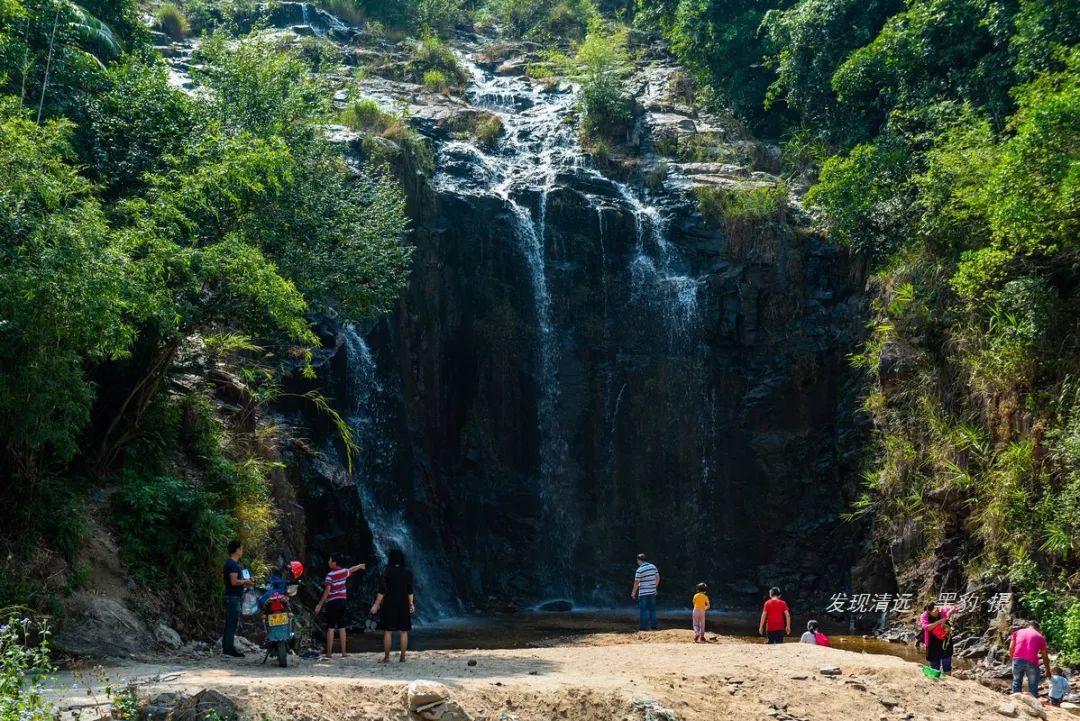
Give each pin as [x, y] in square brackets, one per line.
[701, 605]
[1059, 686]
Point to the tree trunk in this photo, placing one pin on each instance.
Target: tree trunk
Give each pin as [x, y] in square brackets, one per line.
[124, 427]
[48, 65]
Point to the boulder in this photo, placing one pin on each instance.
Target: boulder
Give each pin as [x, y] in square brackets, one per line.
[1029, 705]
[167, 637]
[650, 710]
[206, 704]
[97, 626]
[432, 702]
[514, 66]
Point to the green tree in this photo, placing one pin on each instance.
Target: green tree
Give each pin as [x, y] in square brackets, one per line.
[65, 299]
[934, 50]
[866, 195]
[809, 41]
[720, 40]
[601, 65]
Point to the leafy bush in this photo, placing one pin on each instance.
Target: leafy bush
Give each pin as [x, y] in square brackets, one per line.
[171, 529]
[435, 81]
[24, 668]
[541, 19]
[170, 19]
[482, 126]
[231, 15]
[1059, 620]
[431, 54]
[601, 64]
[366, 114]
[488, 129]
[437, 17]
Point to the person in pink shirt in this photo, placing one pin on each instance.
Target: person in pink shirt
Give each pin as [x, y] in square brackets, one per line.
[936, 636]
[1027, 648]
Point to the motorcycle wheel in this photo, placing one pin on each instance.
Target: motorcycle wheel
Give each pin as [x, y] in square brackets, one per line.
[283, 653]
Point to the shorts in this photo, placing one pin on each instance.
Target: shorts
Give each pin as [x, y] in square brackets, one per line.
[335, 614]
[775, 636]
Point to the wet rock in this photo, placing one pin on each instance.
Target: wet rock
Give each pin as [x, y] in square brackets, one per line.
[978, 650]
[167, 637]
[561, 606]
[513, 66]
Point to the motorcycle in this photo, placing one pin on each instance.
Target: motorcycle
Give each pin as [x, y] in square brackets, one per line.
[277, 616]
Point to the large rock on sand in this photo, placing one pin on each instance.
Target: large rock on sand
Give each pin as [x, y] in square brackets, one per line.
[97, 626]
[1029, 705]
[431, 701]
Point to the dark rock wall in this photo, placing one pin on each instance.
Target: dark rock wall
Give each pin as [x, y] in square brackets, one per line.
[724, 451]
[723, 447]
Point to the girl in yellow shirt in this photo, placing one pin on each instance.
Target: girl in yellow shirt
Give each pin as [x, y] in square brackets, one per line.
[701, 605]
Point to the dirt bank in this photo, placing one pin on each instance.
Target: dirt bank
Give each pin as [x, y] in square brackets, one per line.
[583, 681]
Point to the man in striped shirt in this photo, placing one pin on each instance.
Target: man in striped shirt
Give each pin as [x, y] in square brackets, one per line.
[333, 597]
[646, 582]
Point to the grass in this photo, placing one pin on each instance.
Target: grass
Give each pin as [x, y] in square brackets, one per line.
[750, 217]
[435, 66]
[436, 81]
[720, 205]
[170, 19]
[483, 127]
[366, 115]
[347, 10]
[488, 129]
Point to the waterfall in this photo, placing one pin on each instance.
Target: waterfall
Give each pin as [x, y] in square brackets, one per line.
[659, 274]
[383, 508]
[305, 13]
[538, 144]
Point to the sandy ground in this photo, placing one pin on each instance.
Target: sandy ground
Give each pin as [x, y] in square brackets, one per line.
[604, 677]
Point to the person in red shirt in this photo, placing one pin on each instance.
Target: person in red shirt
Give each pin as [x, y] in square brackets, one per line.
[775, 618]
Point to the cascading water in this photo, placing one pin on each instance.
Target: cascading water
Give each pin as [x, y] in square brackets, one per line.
[538, 144]
[367, 420]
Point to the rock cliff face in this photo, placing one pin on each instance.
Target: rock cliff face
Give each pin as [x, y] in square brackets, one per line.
[582, 369]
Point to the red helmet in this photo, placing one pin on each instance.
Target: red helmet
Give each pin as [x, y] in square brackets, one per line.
[297, 568]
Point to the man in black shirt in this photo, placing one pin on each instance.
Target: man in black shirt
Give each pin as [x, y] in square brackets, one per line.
[234, 591]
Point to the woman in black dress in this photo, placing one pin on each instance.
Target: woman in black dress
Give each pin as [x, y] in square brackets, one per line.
[394, 604]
